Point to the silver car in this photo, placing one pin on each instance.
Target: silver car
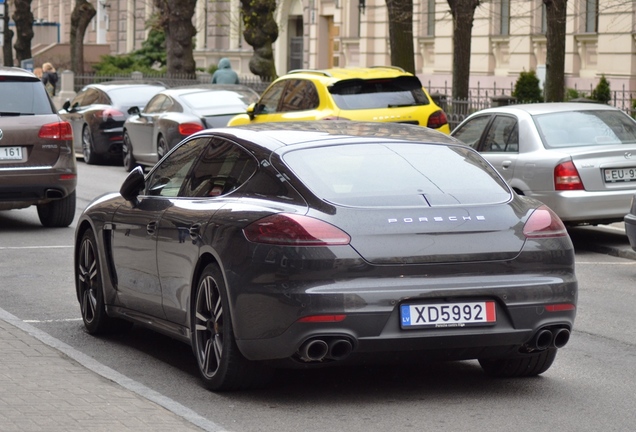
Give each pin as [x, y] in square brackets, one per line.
[577, 158]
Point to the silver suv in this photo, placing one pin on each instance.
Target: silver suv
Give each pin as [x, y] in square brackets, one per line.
[37, 163]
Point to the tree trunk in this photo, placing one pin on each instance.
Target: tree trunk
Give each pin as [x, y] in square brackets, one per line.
[23, 19]
[82, 14]
[261, 31]
[556, 14]
[401, 34]
[463, 12]
[175, 17]
[7, 50]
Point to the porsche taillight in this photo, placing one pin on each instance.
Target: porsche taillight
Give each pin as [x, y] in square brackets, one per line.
[566, 177]
[542, 223]
[59, 131]
[186, 129]
[437, 120]
[288, 229]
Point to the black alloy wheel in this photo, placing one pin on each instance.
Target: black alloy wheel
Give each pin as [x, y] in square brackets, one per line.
[221, 365]
[162, 147]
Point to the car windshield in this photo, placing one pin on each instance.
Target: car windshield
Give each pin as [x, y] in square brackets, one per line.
[378, 93]
[398, 174]
[586, 128]
[133, 96]
[219, 98]
[23, 96]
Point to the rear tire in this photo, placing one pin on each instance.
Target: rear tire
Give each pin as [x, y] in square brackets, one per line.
[90, 291]
[127, 153]
[524, 366]
[162, 147]
[221, 365]
[58, 213]
[88, 148]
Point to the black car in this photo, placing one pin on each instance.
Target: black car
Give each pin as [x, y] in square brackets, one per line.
[37, 164]
[98, 113]
[175, 113]
[316, 243]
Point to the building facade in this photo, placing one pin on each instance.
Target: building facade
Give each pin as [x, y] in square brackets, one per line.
[508, 36]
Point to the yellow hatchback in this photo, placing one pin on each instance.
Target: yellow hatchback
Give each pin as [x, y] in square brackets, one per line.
[378, 94]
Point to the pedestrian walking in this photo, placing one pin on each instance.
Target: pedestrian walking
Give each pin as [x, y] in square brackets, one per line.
[49, 78]
[225, 74]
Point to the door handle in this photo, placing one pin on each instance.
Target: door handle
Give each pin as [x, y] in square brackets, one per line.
[195, 231]
[151, 228]
[506, 164]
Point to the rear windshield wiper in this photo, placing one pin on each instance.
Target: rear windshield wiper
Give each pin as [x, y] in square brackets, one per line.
[403, 105]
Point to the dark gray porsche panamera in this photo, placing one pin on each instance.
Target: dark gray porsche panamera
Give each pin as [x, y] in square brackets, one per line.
[320, 243]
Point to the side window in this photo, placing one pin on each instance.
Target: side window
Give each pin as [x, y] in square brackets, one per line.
[269, 101]
[168, 177]
[103, 98]
[299, 95]
[223, 167]
[471, 132]
[154, 106]
[502, 136]
[89, 97]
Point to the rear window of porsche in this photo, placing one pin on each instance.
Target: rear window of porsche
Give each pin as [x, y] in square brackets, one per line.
[398, 174]
[378, 93]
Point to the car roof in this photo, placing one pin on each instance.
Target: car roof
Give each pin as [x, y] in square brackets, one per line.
[16, 72]
[336, 74]
[549, 107]
[110, 85]
[200, 88]
[283, 134]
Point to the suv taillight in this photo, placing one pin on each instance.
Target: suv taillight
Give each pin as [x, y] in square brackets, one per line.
[61, 131]
[287, 229]
[437, 120]
[543, 222]
[566, 177]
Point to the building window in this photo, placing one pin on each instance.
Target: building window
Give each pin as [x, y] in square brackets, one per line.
[544, 19]
[591, 16]
[429, 18]
[504, 18]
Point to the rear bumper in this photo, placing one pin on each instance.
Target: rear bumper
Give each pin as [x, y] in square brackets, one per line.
[587, 207]
[25, 187]
[381, 334]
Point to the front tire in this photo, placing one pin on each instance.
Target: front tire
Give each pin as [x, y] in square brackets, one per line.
[127, 152]
[221, 365]
[90, 290]
[58, 213]
[524, 366]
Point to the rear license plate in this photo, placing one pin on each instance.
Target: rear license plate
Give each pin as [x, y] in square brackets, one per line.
[616, 175]
[439, 315]
[11, 153]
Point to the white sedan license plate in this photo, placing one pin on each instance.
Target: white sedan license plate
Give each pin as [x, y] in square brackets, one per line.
[616, 175]
[11, 153]
[439, 315]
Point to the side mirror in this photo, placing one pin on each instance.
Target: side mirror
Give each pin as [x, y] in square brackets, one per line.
[66, 105]
[133, 185]
[134, 110]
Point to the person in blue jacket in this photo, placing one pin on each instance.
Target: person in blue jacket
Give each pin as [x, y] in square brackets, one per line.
[225, 74]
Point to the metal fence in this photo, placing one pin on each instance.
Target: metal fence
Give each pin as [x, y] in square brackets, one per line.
[486, 97]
